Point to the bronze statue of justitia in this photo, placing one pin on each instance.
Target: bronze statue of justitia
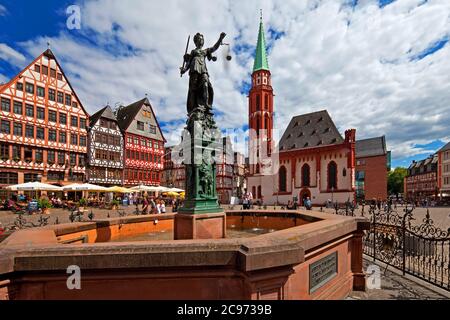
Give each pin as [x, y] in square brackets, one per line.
[201, 93]
[200, 145]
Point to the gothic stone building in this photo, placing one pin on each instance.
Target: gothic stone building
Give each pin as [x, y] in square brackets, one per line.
[43, 126]
[144, 144]
[105, 149]
[312, 159]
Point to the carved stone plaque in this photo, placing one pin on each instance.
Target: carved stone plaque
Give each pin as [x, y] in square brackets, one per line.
[322, 271]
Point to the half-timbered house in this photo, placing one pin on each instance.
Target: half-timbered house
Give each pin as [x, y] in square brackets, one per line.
[144, 144]
[105, 149]
[43, 126]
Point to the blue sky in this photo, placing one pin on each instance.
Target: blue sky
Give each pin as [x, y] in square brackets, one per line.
[378, 66]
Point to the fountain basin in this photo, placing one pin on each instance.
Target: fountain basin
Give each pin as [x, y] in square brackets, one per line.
[307, 255]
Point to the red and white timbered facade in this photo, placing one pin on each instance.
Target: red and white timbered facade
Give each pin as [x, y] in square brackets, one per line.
[43, 126]
[144, 144]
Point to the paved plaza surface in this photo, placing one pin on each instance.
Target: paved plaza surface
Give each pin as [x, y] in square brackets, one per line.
[395, 286]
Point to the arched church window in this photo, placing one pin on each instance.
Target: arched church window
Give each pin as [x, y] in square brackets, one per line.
[332, 175]
[344, 172]
[282, 187]
[306, 175]
[258, 102]
[266, 101]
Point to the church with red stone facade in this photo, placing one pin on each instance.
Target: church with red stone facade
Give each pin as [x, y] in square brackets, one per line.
[311, 159]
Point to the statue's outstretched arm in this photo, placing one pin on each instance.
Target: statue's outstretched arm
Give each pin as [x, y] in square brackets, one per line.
[217, 44]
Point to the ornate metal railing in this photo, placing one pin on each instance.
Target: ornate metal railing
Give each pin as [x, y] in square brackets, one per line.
[421, 250]
[348, 209]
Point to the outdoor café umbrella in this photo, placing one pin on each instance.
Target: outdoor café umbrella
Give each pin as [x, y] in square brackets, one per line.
[84, 187]
[118, 189]
[176, 190]
[172, 194]
[142, 188]
[162, 189]
[34, 186]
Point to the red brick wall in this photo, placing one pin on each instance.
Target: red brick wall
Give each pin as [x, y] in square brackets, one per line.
[375, 183]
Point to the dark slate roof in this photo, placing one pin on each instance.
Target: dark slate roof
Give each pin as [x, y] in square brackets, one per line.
[371, 147]
[105, 112]
[125, 115]
[426, 165]
[310, 130]
[445, 148]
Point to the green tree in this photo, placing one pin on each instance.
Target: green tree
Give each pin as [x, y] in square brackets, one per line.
[395, 180]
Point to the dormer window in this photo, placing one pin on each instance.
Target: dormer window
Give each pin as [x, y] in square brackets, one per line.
[334, 140]
[306, 145]
[295, 124]
[294, 146]
[314, 132]
[319, 143]
[326, 130]
[320, 119]
[289, 136]
[308, 122]
[300, 134]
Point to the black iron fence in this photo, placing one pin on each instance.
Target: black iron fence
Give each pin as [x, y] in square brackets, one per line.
[417, 248]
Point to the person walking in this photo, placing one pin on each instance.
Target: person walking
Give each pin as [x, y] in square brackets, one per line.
[308, 203]
[247, 199]
[130, 199]
[158, 206]
[152, 206]
[163, 206]
[145, 205]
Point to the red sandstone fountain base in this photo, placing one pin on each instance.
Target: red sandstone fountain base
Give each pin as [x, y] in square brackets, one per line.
[200, 226]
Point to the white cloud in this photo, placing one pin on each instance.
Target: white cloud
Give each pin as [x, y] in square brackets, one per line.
[3, 10]
[9, 54]
[355, 62]
[3, 78]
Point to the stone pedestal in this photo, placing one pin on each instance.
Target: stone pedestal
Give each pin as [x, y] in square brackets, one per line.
[200, 226]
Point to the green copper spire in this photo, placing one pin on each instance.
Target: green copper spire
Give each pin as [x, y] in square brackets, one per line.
[261, 56]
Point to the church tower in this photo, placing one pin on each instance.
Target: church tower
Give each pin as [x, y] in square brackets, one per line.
[260, 106]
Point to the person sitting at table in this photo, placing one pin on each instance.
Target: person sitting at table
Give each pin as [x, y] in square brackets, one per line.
[12, 205]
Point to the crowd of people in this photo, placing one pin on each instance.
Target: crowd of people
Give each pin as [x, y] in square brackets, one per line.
[149, 204]
[247, 202]
[152, 205]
